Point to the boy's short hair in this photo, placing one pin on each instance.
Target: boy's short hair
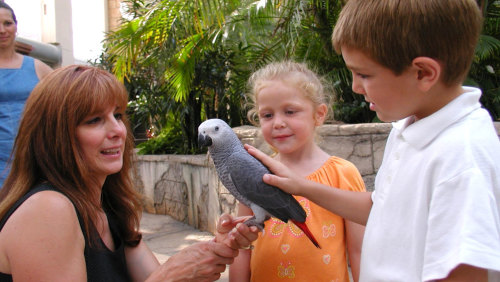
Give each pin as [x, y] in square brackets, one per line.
[394, 32]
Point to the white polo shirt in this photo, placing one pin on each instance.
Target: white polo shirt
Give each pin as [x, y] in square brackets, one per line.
[437, 197]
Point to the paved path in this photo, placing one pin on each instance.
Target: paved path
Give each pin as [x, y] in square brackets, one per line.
[166, 236]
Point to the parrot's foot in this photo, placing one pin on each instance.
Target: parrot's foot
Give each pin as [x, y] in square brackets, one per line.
[253, 222]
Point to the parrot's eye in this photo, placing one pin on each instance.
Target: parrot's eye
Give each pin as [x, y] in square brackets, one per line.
[216, 128]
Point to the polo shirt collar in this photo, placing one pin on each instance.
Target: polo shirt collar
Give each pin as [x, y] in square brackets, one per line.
[422, 132]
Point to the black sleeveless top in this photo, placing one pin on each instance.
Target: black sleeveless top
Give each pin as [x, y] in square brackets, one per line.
[102, 264]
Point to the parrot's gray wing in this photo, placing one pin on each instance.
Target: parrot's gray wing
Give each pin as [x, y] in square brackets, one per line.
[246, 174]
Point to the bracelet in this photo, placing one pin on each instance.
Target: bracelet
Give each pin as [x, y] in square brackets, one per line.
[249, 247]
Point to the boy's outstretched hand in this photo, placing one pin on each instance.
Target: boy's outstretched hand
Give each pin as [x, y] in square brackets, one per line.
[283, 177]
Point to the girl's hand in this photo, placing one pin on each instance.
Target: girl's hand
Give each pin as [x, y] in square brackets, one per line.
[234, 233]
[283, 177]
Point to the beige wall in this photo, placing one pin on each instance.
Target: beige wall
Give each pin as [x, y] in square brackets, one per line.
[114, 15]
[57, 27]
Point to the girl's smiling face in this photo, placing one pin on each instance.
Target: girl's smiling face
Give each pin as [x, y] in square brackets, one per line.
[101, 138]
[287, 118]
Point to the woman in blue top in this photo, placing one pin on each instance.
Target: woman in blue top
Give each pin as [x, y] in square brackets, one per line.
[18, 75]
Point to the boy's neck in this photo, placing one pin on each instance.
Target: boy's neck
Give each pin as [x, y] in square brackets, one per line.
[436, 98]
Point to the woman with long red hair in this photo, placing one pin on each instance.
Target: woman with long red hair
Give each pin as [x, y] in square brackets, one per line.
[68, 209]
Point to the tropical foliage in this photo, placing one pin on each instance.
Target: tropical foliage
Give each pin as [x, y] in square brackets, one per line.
[187, 60]
[485, 69]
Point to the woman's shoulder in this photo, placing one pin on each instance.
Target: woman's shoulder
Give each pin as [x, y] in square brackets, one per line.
[42, 69]
[50, 200]
[47, 205]
[44, 227]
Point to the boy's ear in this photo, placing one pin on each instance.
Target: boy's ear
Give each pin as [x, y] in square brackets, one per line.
[320, 115]
[428, 72]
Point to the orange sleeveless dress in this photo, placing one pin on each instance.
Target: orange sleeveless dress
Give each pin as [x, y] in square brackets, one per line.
[283, 252]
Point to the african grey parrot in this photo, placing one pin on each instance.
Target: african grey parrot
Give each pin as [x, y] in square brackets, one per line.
[242, 175]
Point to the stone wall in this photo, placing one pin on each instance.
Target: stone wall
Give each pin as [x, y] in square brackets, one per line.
[184, 187]
[187, 187]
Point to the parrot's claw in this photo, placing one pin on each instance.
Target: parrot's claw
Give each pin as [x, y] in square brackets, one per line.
[253, 222]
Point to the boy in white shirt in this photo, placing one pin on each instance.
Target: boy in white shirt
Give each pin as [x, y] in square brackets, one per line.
[435, 210]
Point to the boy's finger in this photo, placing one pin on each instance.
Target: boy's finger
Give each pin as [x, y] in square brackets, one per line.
[264, 158]
[274, 180]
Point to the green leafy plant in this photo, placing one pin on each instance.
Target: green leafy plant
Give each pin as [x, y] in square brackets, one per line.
[168, 140]
[187, 60]
[485, 69]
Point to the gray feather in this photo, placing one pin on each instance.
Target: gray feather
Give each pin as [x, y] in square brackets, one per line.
[242, 174]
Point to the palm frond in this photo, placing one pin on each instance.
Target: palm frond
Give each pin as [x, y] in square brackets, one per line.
[487, 48]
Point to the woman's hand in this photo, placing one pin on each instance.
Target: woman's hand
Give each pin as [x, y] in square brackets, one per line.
[207, 260]
[203, 261]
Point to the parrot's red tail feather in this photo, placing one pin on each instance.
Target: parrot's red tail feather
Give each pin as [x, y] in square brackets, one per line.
[305, 229]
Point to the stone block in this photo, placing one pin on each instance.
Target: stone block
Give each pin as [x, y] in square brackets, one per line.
[378, 141]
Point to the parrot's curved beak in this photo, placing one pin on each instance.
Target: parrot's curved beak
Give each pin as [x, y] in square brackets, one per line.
[204, 140]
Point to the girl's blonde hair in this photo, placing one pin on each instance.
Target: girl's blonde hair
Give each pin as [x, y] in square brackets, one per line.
[292, 73]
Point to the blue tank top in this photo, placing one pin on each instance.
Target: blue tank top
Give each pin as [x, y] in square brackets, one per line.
[103, 265]
[15, 87]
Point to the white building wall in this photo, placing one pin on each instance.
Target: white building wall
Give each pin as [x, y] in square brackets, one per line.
[57, 27]
[89, 27]
[77, 26]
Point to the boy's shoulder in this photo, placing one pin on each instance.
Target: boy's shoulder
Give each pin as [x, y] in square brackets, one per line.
[459, 137]
[470, 142]
[466, 121]
[462, 120]
[474, 131]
